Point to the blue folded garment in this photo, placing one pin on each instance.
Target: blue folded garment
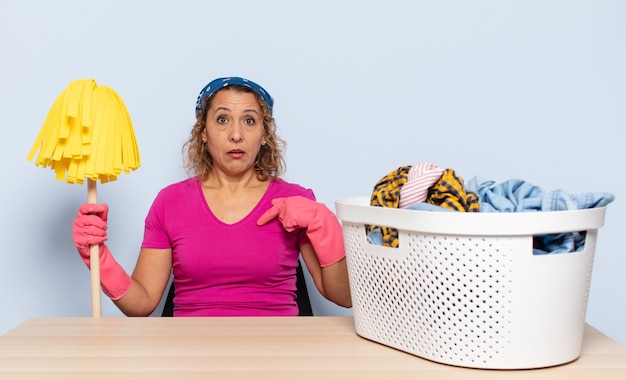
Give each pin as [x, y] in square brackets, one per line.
[516, 195]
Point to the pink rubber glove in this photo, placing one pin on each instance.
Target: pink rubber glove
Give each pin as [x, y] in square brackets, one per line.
[90, 227]
[322, 226]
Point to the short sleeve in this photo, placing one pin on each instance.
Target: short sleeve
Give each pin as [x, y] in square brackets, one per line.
[155, 234]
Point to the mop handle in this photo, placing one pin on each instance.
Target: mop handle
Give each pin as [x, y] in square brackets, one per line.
[94, 258]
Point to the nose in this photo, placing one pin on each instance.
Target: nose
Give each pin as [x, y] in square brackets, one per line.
[236, 134]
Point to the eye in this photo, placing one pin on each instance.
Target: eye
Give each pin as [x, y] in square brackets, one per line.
[222, 120]
[250, 121]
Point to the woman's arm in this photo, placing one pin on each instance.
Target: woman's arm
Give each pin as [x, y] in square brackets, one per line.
[149, 280]
[332, 280]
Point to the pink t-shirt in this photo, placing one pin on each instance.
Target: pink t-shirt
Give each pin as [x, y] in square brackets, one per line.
[226, 269]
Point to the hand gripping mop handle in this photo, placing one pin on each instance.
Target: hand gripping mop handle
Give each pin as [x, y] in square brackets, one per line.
[94, 258]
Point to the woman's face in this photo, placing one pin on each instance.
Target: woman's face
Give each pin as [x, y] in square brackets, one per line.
[234, 131]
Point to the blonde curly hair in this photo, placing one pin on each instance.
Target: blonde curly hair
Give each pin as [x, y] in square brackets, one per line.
[269, 162]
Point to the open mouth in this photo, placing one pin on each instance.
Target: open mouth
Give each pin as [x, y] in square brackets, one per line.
[235, 153]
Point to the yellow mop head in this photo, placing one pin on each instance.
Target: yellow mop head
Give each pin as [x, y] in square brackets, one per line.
[88, 133]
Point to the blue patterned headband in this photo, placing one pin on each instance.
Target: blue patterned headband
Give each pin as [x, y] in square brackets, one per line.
[220, 83]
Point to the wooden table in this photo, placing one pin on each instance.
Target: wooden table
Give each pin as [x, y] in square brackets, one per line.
[319, 348]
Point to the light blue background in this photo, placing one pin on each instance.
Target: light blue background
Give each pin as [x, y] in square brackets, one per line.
[503, 89]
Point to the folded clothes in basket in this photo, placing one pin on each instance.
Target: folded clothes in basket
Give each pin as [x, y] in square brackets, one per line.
[428, 187]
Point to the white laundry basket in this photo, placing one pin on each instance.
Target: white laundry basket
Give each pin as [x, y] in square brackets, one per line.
[465, 288]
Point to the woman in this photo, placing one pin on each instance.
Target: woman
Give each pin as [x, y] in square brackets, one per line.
[232, 233]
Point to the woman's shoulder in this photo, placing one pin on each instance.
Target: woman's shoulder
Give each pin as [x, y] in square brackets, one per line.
[281, 188]
[176, 188]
